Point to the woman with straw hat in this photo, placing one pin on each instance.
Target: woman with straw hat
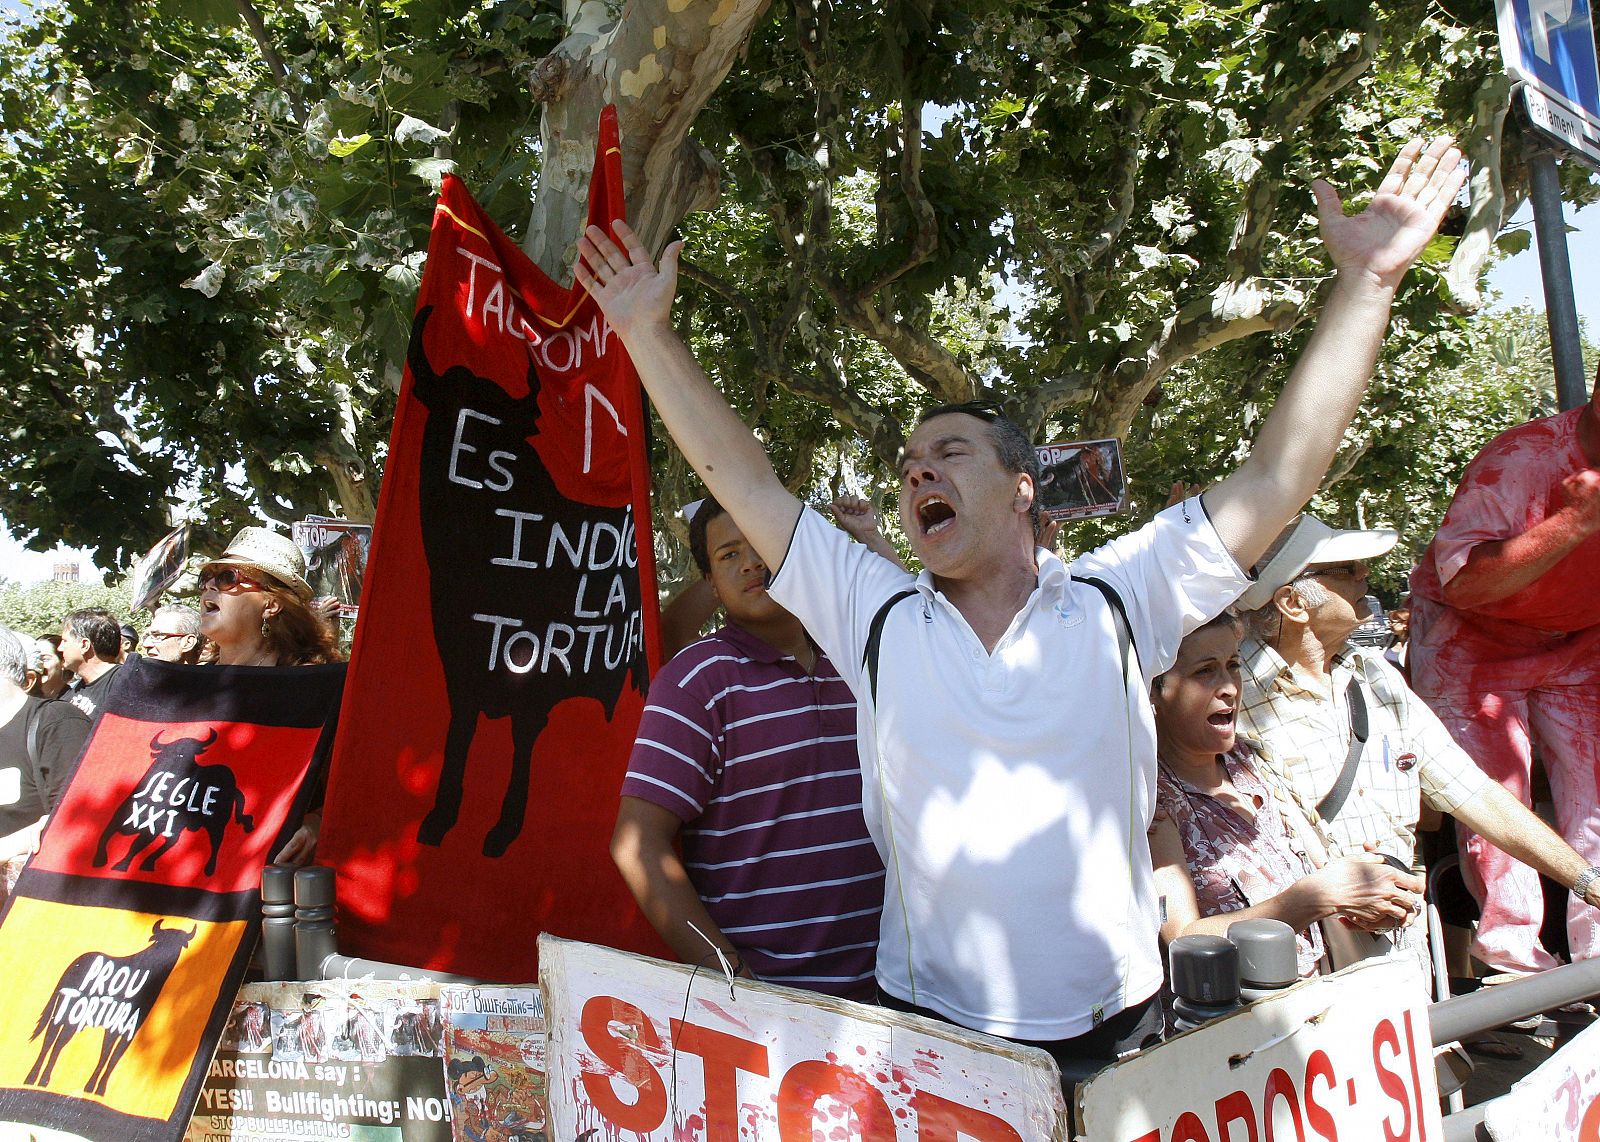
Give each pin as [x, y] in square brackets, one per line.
[254, 612]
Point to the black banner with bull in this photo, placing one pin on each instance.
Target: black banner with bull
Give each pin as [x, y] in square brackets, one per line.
[129, 932]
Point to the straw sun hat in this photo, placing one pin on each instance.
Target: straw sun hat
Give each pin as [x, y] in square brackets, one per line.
[262, 549]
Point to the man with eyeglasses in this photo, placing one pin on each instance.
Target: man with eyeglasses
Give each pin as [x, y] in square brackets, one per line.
[1359, 750]
[1007, 746]
[174, 635]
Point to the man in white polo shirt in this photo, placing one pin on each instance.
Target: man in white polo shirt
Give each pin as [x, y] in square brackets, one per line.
[1008, 761]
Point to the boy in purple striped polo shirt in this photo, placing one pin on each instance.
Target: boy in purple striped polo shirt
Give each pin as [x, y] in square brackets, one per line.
[747, 751]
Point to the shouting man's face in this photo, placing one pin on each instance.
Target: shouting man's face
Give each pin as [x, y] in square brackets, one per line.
[959, 505]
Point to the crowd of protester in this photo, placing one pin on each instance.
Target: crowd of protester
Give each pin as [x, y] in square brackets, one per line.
[991, 791]
[1062, 765]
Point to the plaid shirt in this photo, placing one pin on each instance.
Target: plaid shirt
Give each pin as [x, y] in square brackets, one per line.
[1408, 755]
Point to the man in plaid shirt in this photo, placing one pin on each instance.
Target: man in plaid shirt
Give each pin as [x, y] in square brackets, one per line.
[1307, 691]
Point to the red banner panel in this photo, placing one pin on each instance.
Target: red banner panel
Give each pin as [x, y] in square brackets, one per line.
[508, 620]
[129, 932]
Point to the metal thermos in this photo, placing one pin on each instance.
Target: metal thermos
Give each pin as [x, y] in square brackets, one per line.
[277, 922]
[1205, 979]
[314, 938]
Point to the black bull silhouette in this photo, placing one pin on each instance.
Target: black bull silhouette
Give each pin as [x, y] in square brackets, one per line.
[113, 994]
[176, 795]
[481, 481]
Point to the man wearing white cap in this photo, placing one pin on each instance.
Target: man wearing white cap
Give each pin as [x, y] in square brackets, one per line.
[1357, 747]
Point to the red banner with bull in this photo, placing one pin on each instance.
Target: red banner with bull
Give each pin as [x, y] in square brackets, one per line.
[500, 662]
[130, 929]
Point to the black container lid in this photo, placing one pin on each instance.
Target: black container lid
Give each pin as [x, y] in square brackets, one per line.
[1204, 969]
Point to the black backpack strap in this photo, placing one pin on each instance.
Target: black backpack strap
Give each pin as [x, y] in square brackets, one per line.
[34, 712]
[1119, 614]
[1356, 703]
[869, 657]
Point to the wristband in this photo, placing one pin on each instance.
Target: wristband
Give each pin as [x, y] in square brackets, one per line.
[1586, 878]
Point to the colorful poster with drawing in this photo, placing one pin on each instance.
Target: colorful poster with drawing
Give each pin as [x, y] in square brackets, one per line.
[494, 1062]
[129, 931]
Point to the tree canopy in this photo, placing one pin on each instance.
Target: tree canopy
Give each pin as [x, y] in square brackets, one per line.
[1096, 214]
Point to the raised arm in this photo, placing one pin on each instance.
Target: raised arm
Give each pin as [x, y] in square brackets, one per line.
[1371, 252]
[636, 297]
[856, 519]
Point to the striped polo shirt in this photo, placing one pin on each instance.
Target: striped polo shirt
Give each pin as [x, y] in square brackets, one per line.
[758, 759]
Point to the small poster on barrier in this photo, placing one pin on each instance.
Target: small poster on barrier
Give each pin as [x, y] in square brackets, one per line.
[494, 1061]
[336, 558]
[1082, 478]
[330, 1059]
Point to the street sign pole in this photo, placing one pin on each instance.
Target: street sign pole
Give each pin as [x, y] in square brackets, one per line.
[1549, 46]
[1560, 306]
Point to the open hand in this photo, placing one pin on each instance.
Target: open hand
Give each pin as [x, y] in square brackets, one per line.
[1402, 218]
[631, 290]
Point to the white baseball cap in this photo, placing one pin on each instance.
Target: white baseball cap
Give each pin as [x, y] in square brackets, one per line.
[1305, 541]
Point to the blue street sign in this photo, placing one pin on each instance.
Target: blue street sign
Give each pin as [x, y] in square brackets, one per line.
[1549, 45]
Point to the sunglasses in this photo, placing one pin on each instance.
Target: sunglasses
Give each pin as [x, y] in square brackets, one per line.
[229, 579]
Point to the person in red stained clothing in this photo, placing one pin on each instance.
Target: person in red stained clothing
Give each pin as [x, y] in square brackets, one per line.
[1506, 649]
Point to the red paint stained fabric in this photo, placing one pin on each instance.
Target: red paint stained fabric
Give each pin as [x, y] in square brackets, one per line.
[507, 620]
[1524, 669]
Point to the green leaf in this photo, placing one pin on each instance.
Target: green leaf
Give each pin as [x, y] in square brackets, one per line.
[342, 147]
[1514, 241]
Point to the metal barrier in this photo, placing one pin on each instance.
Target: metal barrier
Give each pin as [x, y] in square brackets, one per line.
[1461, 1016]
[1487, 1008]
[353, 967]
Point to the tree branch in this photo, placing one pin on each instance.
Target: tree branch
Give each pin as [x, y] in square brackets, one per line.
[881, 430]
[1486, 211]
[1124, 175]
[734, 297]
[280, 74]
[1231, 311]
[917, 350]
[1344, 463]
[1038, 403]
[925, 240]
[1288, 113]
[658, 62]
